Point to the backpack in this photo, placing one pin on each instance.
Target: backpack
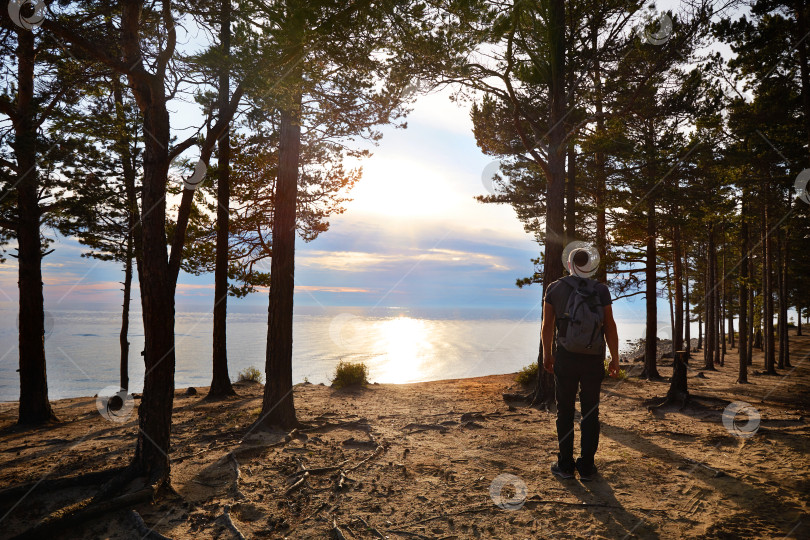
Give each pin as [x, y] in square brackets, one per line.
[580, 327]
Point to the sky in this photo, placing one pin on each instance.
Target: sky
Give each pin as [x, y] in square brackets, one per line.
[412, 236]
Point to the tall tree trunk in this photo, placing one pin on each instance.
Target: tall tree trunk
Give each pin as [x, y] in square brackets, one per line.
[799, 320]
[555, 190]
[750, 353]
[651, 345]
[221, 380]
[687, 309]
[711, 322]
[767, 289]
[599, 166]
[670, 300]
[780, 318]
[34, 407]
[804, 69]
[718, 315]
[157, 298]
[700, 331]
[570, 196]
[784, 297]
[123, 149]
[723, 300]
[278, 408]
[677, 270]
[742, 375]
[123, 337]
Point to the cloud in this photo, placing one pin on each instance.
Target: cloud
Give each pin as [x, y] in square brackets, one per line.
[358, 261]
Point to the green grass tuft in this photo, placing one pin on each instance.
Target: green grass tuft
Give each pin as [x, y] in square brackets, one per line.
[350, 374]
[251, 374]
[528, 375]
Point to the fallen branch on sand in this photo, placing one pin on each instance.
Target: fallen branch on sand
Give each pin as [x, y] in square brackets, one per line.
[377, 451]
[319, 470]
[144, 531]
[298, 483]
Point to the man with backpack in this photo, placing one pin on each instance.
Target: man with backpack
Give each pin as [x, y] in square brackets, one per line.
[580, 311]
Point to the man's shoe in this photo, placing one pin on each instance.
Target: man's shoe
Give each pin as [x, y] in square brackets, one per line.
[585, 473]
[562, 473]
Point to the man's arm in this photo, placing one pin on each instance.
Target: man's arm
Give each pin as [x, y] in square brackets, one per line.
[547, 336]
[612, 340]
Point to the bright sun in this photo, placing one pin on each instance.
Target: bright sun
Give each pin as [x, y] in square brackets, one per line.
[402, 188]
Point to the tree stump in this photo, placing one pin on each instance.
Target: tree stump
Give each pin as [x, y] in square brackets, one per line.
[677, 386]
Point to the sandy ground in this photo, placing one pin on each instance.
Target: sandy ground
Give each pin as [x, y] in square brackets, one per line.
[424, 460]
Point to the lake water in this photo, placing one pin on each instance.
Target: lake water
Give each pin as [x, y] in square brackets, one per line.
[399, 346]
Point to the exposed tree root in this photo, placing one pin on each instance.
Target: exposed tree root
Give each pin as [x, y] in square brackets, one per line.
[372, 530]
[143, 529]
[416, 428]
[717, 472]
[237, 492]
[87, 479]
[338, 534]
[82, 511]
[524, 398]
[228, 522]
[361, 424]
[407, 533]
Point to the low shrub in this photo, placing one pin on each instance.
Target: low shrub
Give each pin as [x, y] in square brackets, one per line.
[528, 375]
[251, 374]
[350, 374]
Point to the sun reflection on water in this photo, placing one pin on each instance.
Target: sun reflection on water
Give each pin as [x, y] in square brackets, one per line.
[405, 346]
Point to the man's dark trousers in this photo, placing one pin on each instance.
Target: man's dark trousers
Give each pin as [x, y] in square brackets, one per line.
[570, 372]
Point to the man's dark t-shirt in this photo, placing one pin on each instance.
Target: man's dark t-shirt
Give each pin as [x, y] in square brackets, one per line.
[557, 295]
